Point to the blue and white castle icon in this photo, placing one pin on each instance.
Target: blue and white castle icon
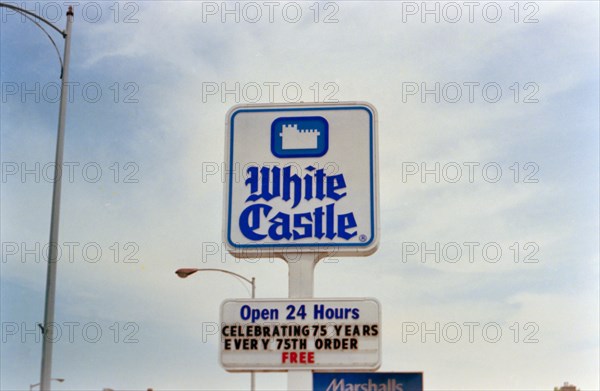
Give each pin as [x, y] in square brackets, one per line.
[299, 137]
[294, 138]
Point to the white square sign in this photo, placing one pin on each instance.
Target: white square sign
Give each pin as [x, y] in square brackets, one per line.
[301, 178]
[305, 334]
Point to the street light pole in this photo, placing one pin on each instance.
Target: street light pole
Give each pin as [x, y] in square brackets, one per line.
[48, 329]
[186, 272]
[48, 339]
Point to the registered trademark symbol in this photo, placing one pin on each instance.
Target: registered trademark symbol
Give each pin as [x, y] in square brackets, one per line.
[362, 238]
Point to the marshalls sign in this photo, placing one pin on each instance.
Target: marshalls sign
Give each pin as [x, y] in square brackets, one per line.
[301, 178]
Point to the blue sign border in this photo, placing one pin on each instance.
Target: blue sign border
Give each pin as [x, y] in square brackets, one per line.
[292, 109]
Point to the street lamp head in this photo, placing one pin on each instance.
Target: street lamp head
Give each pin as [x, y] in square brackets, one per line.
[185, 272]
[60, 380]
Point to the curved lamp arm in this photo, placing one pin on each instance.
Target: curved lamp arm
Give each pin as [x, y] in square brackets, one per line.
[186, 272]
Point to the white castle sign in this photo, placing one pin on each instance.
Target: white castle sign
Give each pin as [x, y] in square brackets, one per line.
[301, 177]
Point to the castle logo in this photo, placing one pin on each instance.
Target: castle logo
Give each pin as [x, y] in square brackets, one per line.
[299, 137]
[294, 138]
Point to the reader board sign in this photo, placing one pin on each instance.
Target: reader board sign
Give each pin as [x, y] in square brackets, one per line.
[284, 334]
[375, 381]
[301, 178]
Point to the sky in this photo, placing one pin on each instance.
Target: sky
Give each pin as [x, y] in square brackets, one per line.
[488, 129]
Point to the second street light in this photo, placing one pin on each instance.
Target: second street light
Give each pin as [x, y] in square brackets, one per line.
[186, 272]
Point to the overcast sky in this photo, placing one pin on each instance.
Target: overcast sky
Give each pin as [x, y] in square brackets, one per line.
[488, 156]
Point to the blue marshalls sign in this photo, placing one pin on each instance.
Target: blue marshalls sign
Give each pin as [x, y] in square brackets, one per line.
[375, 381]
[301, 178]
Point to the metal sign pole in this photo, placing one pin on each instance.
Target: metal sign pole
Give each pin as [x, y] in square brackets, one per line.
[336, 211]
[301, 286]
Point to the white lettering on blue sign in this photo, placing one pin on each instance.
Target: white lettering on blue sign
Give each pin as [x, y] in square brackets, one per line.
[342, 385]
